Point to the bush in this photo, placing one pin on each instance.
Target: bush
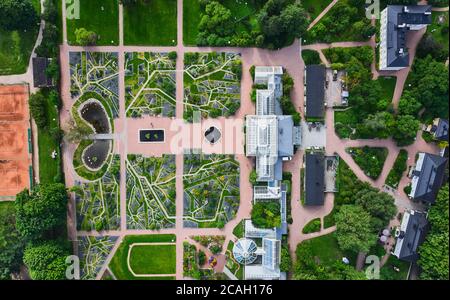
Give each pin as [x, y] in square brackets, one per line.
[201, 258]
[311, 57]
[37, 105]
[266, 214]
[398, 169]
[370, 160]
[312, 226]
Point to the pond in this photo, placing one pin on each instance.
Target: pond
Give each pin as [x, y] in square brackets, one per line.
[94, 113]
[213, 135]
[151, 135]
[96, 154]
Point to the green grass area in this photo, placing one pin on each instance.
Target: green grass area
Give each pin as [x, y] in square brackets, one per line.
[328, 220]
[99, 16]
[396, 173]
[239, 230]
[6, 205]
[311, 57]
[16, 47]
[312, 226]
[118, 264]
[439, 28]
[315, 7]
[387, 87]
[152, 23]
[387, 272]
[191, 19]
[59, 22]
[370, 160]
[49, 168]
[153, 259]
[344, 123]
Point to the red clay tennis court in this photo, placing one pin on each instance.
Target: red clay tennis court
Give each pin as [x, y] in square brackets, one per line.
[15, 141]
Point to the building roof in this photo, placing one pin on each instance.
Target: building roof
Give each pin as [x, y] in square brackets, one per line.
[285, 136]
[314, 179]
[315, 91]
[413, 230]
[399, 20]
[39, 72]
[428, 177]
[441, 130]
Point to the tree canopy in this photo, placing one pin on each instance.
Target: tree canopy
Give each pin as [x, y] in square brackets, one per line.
[11, 246]
[17, 14]
[379, 205]
[42, 210]
[266, 214]
[46, 261]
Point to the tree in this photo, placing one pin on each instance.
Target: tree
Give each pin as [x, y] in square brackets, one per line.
[41, 211]
[379, 205]
[84, 37]
[342, 271]
[253, 177]
[77, 131]
[266, 214]
[429, 46]
[37, 105]
[406, 130]
[408, 104]
[377, 125]
[354, 231]
[286, 261]
[17, 14]
[46, 261]
[216, 25]
[438, 213]
[11, 245]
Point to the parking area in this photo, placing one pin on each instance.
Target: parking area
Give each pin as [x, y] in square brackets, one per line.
[313, 135]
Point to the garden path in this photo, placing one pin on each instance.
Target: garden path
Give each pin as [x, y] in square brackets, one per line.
[323, 13]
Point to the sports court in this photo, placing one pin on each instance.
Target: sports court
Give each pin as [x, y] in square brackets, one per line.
[15, 141]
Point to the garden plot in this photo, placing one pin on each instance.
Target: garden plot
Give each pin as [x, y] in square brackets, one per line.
[212, 84]
[150, 87]
[95, 74]
[98, 201]
[151, 192]
[211, 189]
[93, 252]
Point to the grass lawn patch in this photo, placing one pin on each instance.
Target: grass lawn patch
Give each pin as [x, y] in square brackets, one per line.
[315, 7]
[344, 123]
[387, 87]
[328, 220]
[311, 57]
[6, 205]
[387, 272]
[191, 19]
[239, 230]
[118, 264]
[16, 47]
[312, 226]
[439, 28]
[370, 160]
[396, 173]
[151, 23]
[99, 16]
[153, 259]
[324, 248]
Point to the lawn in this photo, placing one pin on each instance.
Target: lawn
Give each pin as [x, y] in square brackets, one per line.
[191, 19]
[239, 230]
[100, 16]
[311, 57]
[315, 7]
[49, 168]
[6, 205]
[387, 272]
[312, 226]
[370, 160]
[118, 264]
[16, 47]
[153, 259]
[387, 87]
[152, 23]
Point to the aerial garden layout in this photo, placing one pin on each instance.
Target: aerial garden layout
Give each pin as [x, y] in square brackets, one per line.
[93, 252]
[150, 84]
[151, 192]
[211, 189]
[212, 84]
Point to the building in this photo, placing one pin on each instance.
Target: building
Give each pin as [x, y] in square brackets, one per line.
[439, 129]
[40, 77]
[259, 253]
[427, 177]
[410, 235]
[314, 185]
[315, 77]
[396, 21]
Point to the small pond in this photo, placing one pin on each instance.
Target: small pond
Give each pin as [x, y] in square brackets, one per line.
[96, 154]
[94, 113]
[151, 135]
[213, 135]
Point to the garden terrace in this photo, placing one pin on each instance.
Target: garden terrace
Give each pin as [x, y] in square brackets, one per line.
[211, 189]
[98, 201]
[150, 87]
[212, 84]
[370, 160]
[151, 192]
[99, 16]
[95, 75]
[145, 256]
[93, 252]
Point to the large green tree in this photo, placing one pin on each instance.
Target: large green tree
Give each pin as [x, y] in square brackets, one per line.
[266, 214]
[405, 130]
[85, 37]
[11, 246]
[17, 14]
[354, 231]
[41, 211]
[379, 205]
[46, 261]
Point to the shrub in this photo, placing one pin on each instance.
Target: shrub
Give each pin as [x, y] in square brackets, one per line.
[312, 226]
[397, 170]
[266, 214]
[37, 109]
